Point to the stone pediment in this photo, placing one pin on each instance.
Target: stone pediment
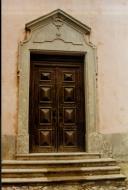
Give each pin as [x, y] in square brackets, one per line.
[57, 25]
[57, 15]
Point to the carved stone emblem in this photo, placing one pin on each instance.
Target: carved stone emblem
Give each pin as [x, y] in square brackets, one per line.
[58, 22]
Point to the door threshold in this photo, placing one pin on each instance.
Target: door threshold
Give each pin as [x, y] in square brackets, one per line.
[59, 154]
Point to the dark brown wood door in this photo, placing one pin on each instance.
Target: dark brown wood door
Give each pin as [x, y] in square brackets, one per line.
[57, 108]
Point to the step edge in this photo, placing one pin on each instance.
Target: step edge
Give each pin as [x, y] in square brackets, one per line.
[61, 169]
[60, 154]
[57, 161]
[68, 178]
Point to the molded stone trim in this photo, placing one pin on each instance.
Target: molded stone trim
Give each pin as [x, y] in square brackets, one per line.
[49, 34]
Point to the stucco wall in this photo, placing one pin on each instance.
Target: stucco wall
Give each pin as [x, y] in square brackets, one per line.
[109, 23]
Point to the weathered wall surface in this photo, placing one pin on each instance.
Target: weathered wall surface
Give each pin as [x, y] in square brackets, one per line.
[109, 23]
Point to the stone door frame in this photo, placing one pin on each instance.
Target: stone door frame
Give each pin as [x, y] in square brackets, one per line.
[49, 34]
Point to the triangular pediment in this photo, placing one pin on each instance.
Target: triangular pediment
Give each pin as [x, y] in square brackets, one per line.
[58, 16]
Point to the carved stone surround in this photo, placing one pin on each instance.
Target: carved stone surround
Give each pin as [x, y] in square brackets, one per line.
[56, 32]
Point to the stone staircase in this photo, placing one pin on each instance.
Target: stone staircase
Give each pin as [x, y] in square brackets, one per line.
[60, 167]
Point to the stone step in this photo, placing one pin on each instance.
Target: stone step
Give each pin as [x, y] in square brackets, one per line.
[38, 164]
[67, 178]
[51, 172]
[58, 156]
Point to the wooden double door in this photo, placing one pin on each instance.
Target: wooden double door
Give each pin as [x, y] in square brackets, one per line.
[57, 107]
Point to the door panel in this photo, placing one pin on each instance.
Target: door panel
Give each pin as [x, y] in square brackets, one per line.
[57, 108]
[70, 105]
[44, 100]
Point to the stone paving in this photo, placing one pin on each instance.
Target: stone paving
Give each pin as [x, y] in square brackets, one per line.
[111, 186]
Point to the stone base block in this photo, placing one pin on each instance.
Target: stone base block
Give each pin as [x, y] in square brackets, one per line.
[8, 147]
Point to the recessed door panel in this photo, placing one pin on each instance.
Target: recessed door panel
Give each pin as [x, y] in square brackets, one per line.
[69, 116]
[69, 94]
[45, 93]
[45, 116]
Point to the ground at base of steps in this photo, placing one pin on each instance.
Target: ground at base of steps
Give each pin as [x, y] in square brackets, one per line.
[60, 186]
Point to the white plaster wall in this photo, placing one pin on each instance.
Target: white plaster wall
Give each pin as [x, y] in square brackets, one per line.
[109, 22]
